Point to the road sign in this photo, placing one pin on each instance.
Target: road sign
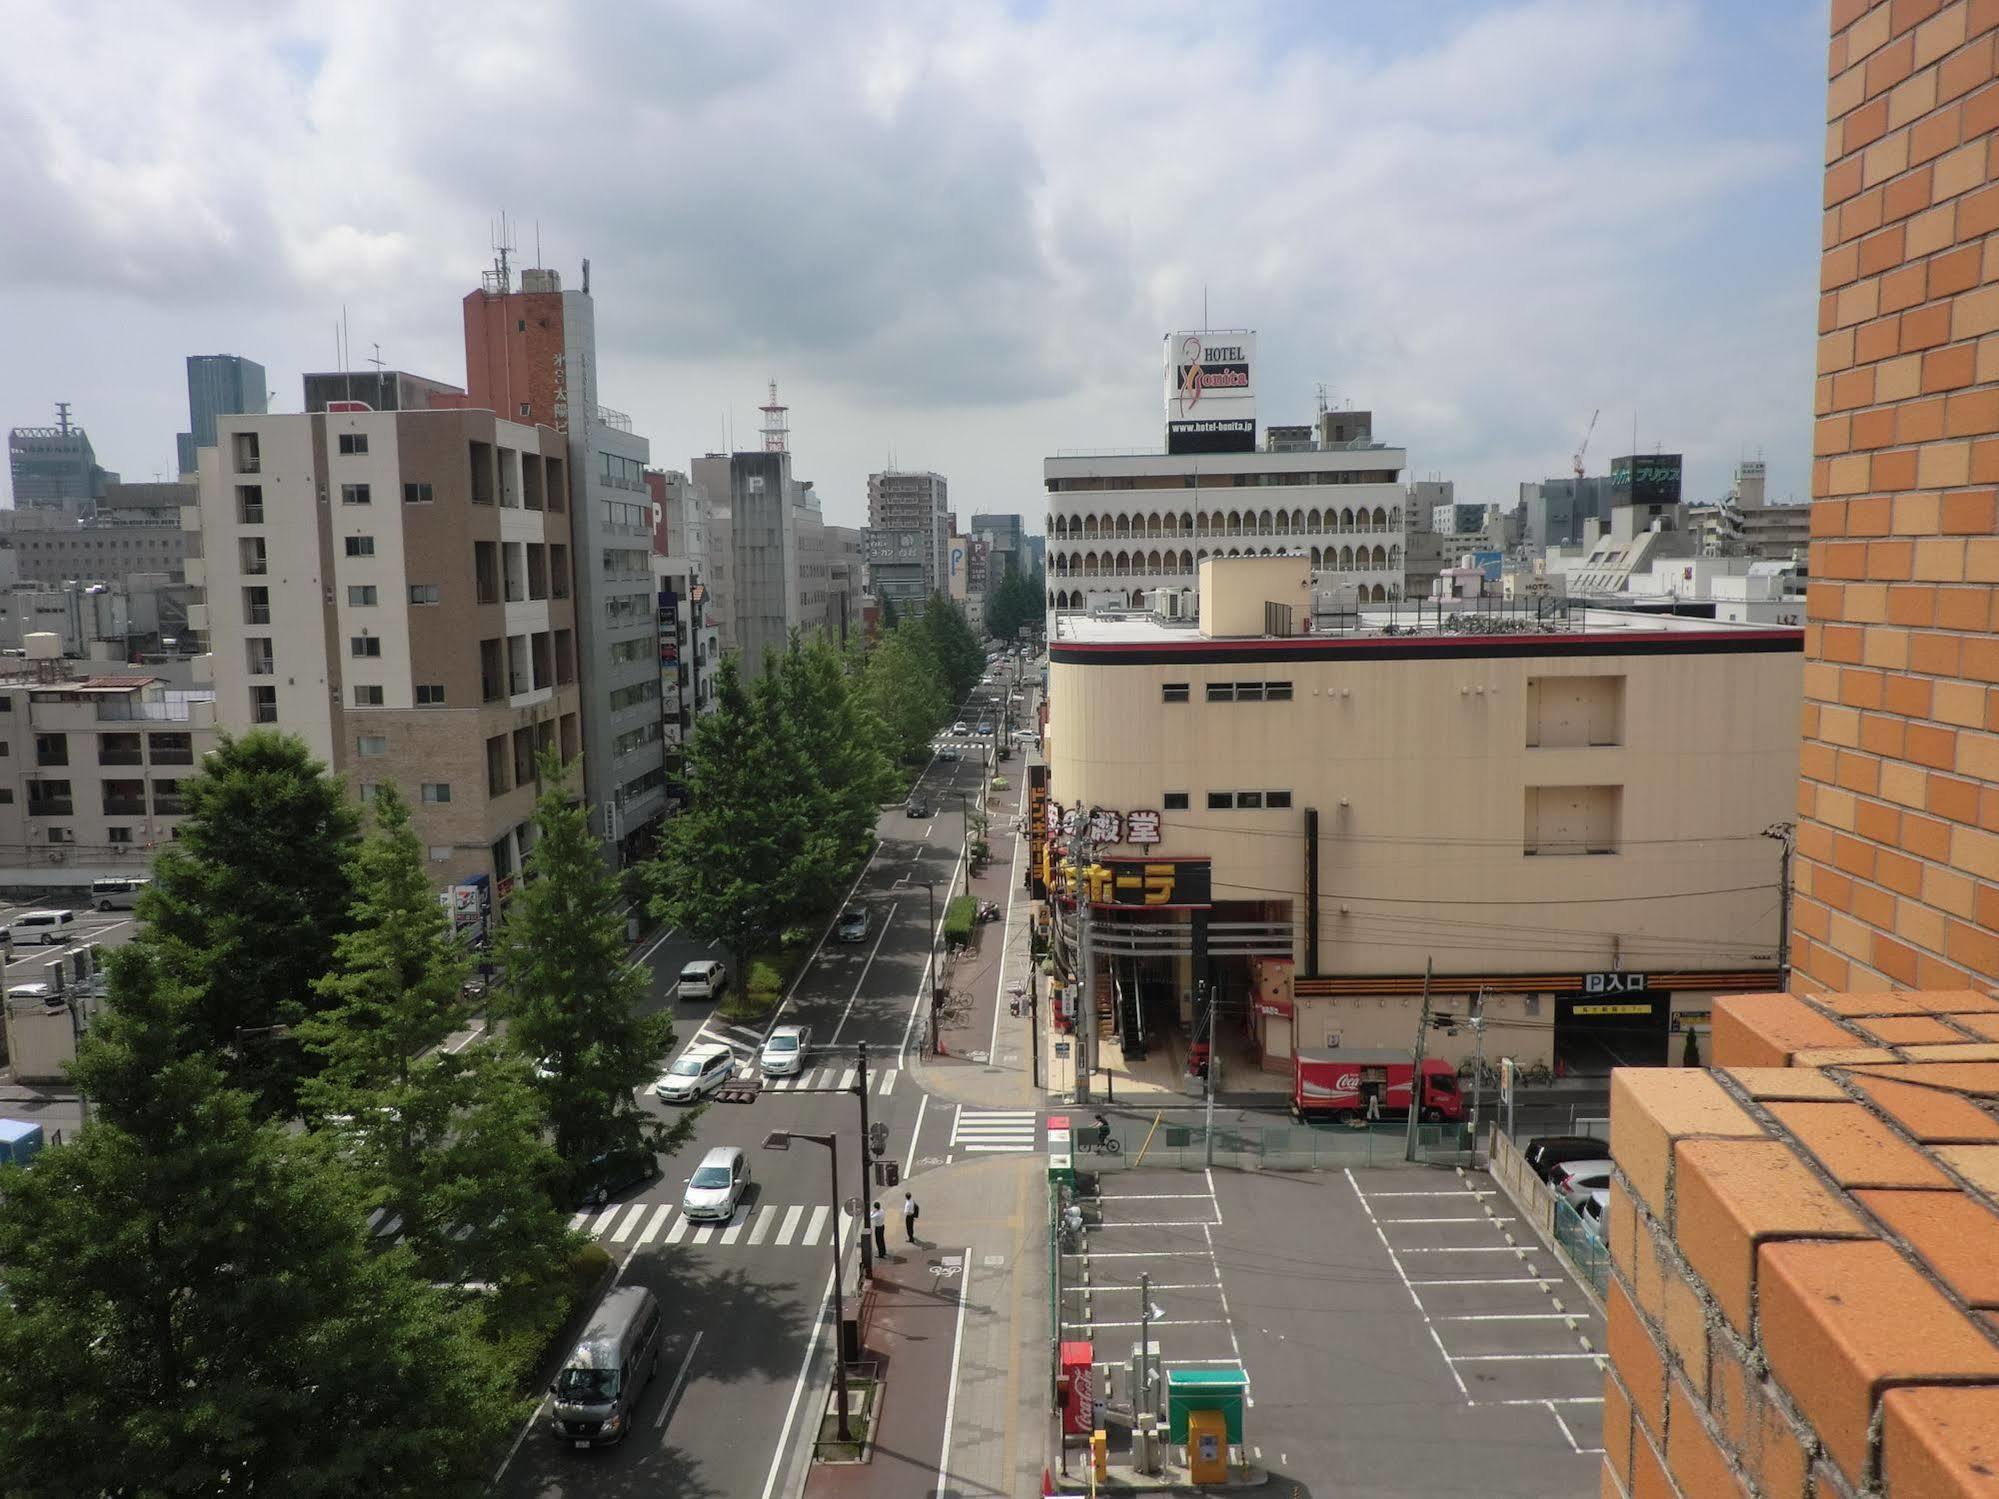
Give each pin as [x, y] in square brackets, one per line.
[853, 1207]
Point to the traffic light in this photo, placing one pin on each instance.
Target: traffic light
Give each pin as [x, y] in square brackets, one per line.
[877, 1138]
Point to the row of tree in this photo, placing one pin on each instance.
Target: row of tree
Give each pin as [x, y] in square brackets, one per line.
[196, 1299]
[1020, 599]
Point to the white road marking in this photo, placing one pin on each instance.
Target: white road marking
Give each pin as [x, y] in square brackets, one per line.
[736, 1225]
[760, 1230]
[862, 977]
[888, 1082]
[922, 1103]
[679, 1229]
[790, 1225]
[673, 1393]
[705, 1234]
[624, 1230]
[846, 1082]
[659, 1217]
[813, 1225]
[951, 1398]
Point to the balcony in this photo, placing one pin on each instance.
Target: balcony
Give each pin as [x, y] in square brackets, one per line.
[121, 757]
[168, 806]
[264, 713]
[124, 806]
[250, 515]
[52, 806]
[259, 615]
[253, 567]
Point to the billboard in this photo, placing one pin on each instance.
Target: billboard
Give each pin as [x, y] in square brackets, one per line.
[897, 546]
[1213, 435]
[1209, 377]
[960, 570]
[1645, 479]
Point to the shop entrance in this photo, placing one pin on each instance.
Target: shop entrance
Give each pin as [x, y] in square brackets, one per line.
[1616, 1023]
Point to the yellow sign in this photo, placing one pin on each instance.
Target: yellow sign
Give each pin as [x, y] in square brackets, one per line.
[1612, 1010]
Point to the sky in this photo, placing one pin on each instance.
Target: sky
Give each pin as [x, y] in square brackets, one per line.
[953, 233]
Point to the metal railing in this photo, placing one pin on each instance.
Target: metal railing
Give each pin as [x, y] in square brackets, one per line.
[1273, 1147]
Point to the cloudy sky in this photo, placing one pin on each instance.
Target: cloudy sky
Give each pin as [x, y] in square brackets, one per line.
[953, 232]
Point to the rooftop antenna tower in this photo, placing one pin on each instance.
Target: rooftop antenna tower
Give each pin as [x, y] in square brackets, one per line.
[777, 423]
[376, 360]
[500, 279]
[1324, 393]
[62, 416]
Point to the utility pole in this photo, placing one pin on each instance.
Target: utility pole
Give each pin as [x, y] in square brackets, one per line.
[1214, 1061]
[1086, 1005]
[867, 1158]
[1785, 834]
[1416, 1072]
[1478, 1065]
[1144, 1346]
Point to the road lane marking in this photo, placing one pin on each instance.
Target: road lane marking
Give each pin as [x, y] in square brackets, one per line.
[705, 1234]
[797, 1387]
[760, 1230]
[790, 1224]
[814, 1225]
[631, 1222]
[679, 1229]
[847, 1081]
[659, 1217]
[736, 1223]
[576, 1220]
[1006, 933]
[922, 1103]
[673, 1392]
[923, 985]
[951, 1398]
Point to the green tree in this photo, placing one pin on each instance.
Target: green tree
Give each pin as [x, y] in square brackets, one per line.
[729, 866]
[959, 657]
[245, 906]
[838, 740]
[571, 998]
[193, 1307]
[890, 615]
[905, 692]
[450, 1147]
[1020, 599]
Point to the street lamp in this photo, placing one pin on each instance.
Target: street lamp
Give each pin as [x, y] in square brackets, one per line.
[779, 1139]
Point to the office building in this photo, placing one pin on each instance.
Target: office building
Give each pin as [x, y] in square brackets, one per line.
[1547, 804]
[757, 555]
[689, 644]
[1005, 545]
[395, 588]
[531, 356]
[136, 528]
[1556, 512]
[1120, 524]
[55, 468]
[1744, 524]
[217, 385]
[909, 537]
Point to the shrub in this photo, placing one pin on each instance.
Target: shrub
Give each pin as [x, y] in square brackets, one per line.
[958, 918]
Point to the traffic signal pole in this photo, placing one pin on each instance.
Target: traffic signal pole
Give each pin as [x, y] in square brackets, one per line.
[867, 1173]
[1416, 1072]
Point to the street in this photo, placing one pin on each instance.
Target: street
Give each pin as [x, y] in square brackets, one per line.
[730, 1412]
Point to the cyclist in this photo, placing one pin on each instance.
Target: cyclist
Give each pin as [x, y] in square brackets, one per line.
[1103, 1134]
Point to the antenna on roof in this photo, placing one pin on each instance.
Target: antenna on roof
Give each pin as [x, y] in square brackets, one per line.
[376, 360]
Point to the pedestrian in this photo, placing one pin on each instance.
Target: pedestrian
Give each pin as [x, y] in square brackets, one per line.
[909, 1212]
[878, 1221]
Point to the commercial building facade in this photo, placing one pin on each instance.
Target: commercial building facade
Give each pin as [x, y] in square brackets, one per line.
[217, 385]
[909, 537]
[56, 467]
[396, 588]
[1562, 813]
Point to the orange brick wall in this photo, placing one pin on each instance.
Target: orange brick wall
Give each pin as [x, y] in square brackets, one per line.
[1804, 1242]
[1897, 868]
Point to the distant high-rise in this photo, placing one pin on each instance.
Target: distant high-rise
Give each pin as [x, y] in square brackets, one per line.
[909, 534]
[55, 468]
[218, 385]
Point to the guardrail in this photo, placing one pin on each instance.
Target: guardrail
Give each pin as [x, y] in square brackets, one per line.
[1536, 1201]
[1272, 1147]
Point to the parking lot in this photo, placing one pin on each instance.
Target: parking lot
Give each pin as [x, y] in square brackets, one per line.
[1395, 1339]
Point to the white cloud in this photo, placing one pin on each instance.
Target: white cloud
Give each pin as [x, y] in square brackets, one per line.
[959, 237]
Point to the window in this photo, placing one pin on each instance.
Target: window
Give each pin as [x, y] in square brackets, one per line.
[362, 596]
[1276, 799]
[1173, 692]
[6, 796]
[416, 494]
[355, 494]
[1249, 801]
[437, 791]
[365, 645]
[368, 790]
[367, 697]
[62, 835]
[1221, 692]
[119, 835]
[354, 442]
[1277, 692]
[440, 853]
[256, 606]
[263, 705]
[370, 746]
[430, 694]
[425, 593]
[360, 546]
[1249, 692]
[1220, 801]
[526, 409]
[1175, 801]
[250, 504]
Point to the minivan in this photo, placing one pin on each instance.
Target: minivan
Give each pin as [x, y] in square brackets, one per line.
[705, 978]
[716, 1188]
[116, 895]
[597, 1393]
[42, 926]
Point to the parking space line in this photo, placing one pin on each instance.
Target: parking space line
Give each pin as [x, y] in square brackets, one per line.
[1102, 1287]
[1580, 1450]
[1440, 1192]
[1147, 1197]
[1460, 1249]
[1569, 1317]
[1511, 1280]
[1136, 1254]
[1155, 1322]
[1502, 1358]
[1395, 1260]
[1482, 1218]
[1149, 1223]
[1546, 1400]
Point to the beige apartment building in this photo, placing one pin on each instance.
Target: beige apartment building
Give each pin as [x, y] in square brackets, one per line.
[396, 588]
[1560, 809]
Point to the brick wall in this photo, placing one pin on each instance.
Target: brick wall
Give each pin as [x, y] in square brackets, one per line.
[1804, 1290]
[1898, 818]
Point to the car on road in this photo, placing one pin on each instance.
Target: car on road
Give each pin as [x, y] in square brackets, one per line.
[985, 731]
[698, 1071]
[1545, 1152]
[1575, 1180]
[42, 926]
[853, 925]
[784, 1050]
[959, 727]
[603, 1177]
[598, 1389]
[950, 754]
[716, 1188]
[704, 978]
[918, 807]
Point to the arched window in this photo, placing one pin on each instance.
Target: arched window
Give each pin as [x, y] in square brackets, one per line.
[1265, 552]
[1153, 561]
[1187, 521]
[1283, 523]
[1381, 557]
[1313, 520]
[1395, 557]
[1395, 518]
[1346, 559]
[1089, 564]
[1315, 559]
[1123, 563]
[1235, 551]
[1206, 521]
[1235, 523]
[1171, 523]
[1380, 594]
[1264, 525]
[1152, 524]
[1201, 556]
[1346, 519]
[1090, 527]
[1137, 598]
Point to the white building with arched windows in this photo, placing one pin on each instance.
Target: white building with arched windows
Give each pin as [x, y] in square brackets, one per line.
[1121, 523]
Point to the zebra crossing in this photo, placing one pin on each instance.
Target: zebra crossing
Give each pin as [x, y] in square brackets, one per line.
[754, 1226]
[986, 1130]
[881, 1084]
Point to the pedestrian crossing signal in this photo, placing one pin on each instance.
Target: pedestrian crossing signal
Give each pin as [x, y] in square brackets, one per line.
[877, 1137]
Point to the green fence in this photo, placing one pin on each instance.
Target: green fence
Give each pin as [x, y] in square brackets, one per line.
[1585, 1250]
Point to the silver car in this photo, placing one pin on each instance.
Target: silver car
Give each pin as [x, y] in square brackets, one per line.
[716, 1188]
[784, 1051]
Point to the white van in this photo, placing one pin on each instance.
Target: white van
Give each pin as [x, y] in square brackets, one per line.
[42, 926]
[117, 895]
[704, 978]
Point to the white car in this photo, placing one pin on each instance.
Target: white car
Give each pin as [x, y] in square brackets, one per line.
[698, 1071]
[959, 727]
[717, 1185]
[784, 1051]
[1573, 1181]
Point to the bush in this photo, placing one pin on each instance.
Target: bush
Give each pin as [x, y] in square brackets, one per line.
[766, 980]
[958, 917]
[522, 1322]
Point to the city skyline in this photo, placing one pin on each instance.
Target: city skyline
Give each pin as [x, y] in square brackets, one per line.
[1046, 227]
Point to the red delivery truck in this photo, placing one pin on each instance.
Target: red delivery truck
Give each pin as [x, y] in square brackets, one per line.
[1343, 1084]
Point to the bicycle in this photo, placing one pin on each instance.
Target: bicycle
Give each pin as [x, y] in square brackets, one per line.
[1101, 1144]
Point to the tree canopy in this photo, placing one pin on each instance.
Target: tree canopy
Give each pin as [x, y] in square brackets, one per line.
[1020, 599]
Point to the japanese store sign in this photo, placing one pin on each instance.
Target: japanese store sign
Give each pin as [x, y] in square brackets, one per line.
[1139, 882]
[1140, 828]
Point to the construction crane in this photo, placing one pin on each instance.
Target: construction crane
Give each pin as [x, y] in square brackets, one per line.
[1582, 447]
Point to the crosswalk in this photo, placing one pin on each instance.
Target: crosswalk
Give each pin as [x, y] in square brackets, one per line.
[985, 1130]
[754, 1226]
[881, 1084]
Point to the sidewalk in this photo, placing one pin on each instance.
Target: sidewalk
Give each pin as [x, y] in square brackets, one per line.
[966, 1301]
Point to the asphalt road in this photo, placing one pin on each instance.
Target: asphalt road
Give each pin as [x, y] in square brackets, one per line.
[729, 1412]
[56, 1110]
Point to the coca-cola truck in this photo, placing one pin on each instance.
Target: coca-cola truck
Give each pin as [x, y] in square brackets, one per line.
[1339, 1084]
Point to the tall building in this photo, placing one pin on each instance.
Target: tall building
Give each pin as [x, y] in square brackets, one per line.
[55, 467]
[218, 385]
[1005, 542]
[761, 575]
[909, 536]
[1120, 524]
[1897, 859]
[1558, 511]
[531, 356]
[1744, 524]
[396, 589]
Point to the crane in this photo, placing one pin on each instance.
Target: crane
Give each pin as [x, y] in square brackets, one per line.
[1582, 447]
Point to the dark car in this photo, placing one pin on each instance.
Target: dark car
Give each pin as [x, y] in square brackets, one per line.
[919, 808]
[853, 925]
[1545, 1152]
[605, 1176]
